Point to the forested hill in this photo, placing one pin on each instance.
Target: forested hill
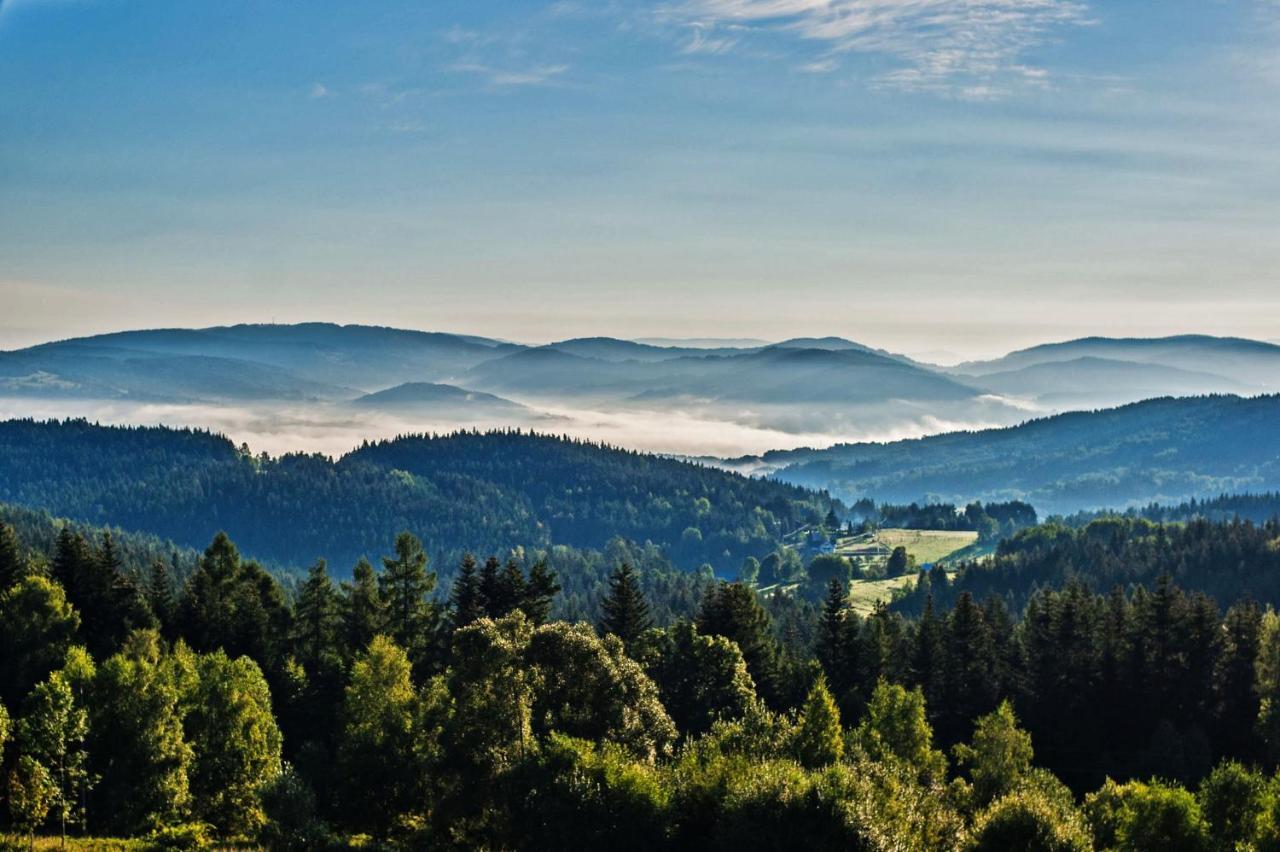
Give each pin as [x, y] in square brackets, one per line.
[483, 492]
[1162, 450]
[1229, 561]
[1258, 508]
[136, 553]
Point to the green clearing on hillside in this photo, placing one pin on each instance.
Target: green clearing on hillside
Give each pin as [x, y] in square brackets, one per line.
[865, 594]
[926, 546]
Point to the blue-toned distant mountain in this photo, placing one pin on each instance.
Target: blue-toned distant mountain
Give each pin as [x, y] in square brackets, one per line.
[1247, 362]
[1159, 451]
[772, 375]
[89, 370]
[1089, 381]
[808, 387]
[444, 402]
[310, 360]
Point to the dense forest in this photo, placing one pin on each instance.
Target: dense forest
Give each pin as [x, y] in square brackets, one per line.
[1258, 508]
[382, 711]
[464, 491]
[991, 521]
[1225, 560]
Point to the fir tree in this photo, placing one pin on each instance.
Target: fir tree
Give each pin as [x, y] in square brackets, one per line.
[362, 608]
[465, 598]
[626, 612]
[13, 565]
[405, 584]
[832, 645]
[317, 619]
[540, 590]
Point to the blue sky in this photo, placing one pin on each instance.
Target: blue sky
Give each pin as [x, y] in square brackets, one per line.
[933, 176]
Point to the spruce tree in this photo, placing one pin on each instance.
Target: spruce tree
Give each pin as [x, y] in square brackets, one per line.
[491, 587]
[511, 590]
[539, 591]
[317, 619]
[159, 594]
[13, 565]
[626, 612]
[405, 584]
[362, 609]
[733, 611]
[465, 599]
[926, 658]
[832, 646]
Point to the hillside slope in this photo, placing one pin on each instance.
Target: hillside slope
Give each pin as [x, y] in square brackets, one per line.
[1163, 450]
[483, 492]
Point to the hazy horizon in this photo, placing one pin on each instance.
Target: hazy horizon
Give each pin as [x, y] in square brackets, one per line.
[945, 179]
[11, 339]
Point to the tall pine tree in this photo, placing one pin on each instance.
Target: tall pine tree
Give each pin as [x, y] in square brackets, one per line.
[13, 565]
[626, 612]
[539, 591]
[405, 584]
[465, 599]
[362, 609]
[833, 644]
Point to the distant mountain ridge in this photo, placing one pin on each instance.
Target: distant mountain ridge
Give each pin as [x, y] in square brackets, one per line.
[1159, 451]
[1247, 361]
[412, 395]
[806, 387]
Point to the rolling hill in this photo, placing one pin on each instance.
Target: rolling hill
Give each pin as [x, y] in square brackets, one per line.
[1247, 362]
[1088, 381]
[330, 384]
[486, 492]
[1163, 450]
[309, 359]
[445, 402]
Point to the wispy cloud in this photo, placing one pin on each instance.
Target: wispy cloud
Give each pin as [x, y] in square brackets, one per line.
[705, 40]
[539, 75]
[820, 66]
[508, 55]
[966, 48]
[318, 90]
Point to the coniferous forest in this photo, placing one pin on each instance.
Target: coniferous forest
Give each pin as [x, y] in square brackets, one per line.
[1095, 708]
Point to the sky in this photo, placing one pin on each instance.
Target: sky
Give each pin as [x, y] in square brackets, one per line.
[946, 178]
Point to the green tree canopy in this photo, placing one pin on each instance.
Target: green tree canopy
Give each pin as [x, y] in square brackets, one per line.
[378, 750]
[37, 626]
[701, 679]
[819, 738]
[137, 744]
[54, 730]
[236, 744]
[895, 727]
[588, 687]
[999, 755]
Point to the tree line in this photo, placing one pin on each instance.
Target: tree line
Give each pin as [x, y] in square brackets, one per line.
[475, 491]
[991, 521]
[1227, 560]
[378, 711]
